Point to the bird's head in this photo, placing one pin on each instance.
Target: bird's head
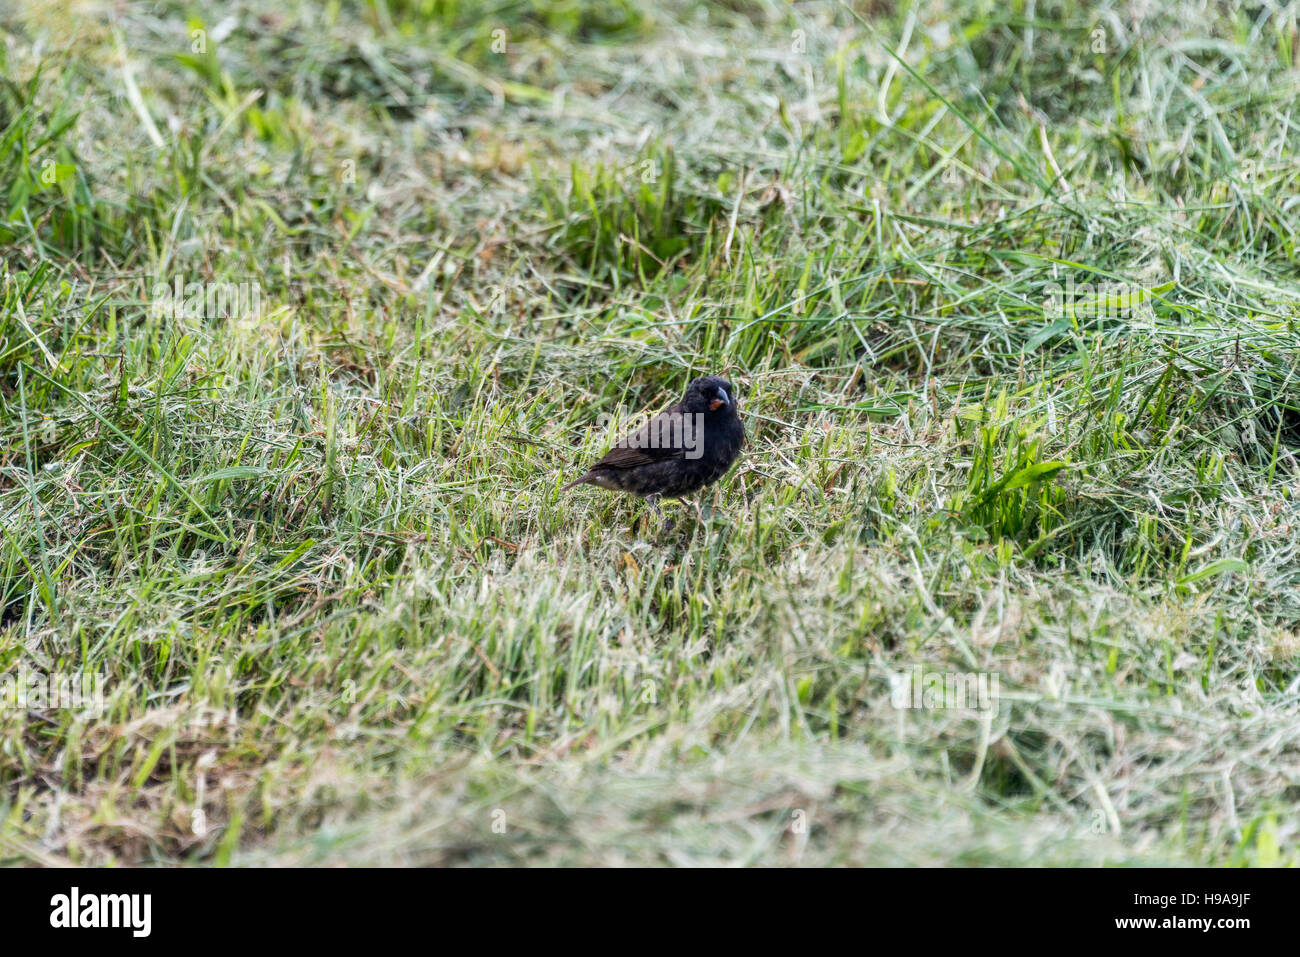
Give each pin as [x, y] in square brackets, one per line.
[710, 393]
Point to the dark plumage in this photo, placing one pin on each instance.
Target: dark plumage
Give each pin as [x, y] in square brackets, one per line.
[683, 449]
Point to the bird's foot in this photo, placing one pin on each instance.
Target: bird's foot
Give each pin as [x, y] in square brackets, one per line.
[669, 524]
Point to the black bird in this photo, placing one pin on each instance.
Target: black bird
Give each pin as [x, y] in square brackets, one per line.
[684, 448]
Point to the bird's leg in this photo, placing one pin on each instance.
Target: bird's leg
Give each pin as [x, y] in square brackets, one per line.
[654, 504]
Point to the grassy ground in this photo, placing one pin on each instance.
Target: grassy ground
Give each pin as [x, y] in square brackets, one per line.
[1009, 293]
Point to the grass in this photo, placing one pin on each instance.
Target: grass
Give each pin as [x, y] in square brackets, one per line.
[1010, 296]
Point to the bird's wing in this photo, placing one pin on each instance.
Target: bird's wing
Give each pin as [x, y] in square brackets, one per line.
[641, 447]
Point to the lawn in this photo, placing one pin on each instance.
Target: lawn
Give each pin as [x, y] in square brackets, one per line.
[307, 311]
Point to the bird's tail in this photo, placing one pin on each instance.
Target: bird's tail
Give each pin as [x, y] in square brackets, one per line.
[578, 481]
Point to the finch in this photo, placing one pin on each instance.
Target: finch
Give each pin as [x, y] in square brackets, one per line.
[686, 447]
